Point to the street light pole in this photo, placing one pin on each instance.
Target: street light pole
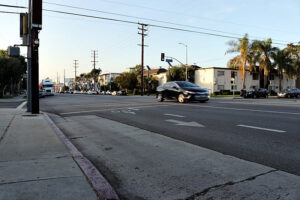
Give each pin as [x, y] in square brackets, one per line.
[186, 59]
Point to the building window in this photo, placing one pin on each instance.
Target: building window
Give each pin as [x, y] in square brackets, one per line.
[255, 76]
[221, 73]
[272, 77]
[220, 87]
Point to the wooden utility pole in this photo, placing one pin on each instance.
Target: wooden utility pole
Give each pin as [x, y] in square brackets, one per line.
[143, 30]
[75, 67]
[94, 61]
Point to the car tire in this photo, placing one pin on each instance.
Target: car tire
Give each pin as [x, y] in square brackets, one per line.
[181, 98]
[160, 97]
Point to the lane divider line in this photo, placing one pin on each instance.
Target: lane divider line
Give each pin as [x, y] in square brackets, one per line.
[260, 128]
[103, 189]
[174, 115]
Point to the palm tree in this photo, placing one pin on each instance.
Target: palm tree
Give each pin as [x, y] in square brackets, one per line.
[265, 50]
[282, 63]
[243, 47]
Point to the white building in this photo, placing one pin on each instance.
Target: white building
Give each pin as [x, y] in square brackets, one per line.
[216, 79]
[105, 79]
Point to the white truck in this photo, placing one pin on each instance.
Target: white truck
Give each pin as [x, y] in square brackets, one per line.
[47, 87]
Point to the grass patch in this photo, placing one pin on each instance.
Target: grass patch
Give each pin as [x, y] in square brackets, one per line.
[6, 97]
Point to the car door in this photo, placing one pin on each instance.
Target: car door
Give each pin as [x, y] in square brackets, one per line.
[174, 90]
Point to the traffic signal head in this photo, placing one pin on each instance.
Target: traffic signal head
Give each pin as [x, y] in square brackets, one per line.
[162, 57]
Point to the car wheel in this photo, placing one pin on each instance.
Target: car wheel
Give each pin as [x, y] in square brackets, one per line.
[181, 98]
[160, 97]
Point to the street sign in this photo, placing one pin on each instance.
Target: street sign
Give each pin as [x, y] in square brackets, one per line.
[169, 60]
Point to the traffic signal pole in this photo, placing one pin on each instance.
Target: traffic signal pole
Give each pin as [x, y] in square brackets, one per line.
[34, 26]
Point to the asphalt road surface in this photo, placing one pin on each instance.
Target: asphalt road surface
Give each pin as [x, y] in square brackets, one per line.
[264, 131]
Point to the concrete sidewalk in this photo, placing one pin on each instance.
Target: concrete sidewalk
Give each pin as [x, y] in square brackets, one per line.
[35, 164]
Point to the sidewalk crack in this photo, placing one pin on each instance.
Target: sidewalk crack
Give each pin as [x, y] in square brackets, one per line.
[8, 126]
[205, 191]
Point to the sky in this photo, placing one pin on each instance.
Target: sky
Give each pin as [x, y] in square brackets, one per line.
[65, 38]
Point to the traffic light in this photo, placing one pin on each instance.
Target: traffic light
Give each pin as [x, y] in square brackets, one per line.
[162, 57]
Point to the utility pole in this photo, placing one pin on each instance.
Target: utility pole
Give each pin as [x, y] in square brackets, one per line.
[35, 13]
[64, 78]
[75, 66]
[29, 90]
[94, 61]
[186, 60]
[143, 30]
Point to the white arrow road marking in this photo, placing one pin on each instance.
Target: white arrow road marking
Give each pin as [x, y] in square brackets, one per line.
[173, 115]
[181, 123]
[128, 112]
[259, 128]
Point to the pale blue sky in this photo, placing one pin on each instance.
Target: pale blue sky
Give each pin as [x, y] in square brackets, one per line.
[65, 38]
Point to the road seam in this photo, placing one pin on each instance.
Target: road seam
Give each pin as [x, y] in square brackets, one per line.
[103, 189]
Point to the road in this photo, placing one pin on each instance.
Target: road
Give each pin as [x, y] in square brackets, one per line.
[264, 131]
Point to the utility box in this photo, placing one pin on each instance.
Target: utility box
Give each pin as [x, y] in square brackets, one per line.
[13, 51]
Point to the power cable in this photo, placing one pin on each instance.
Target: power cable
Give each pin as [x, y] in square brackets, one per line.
[153, 20]
[137, 23]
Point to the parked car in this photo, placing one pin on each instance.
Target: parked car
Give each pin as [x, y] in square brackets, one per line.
[92, 92]
[102, 92]
[41, 93]
[108, 92]
[291, 93]
[262, 92]
[114, 93]
[183, 91]
[76, 92]
[121, 93]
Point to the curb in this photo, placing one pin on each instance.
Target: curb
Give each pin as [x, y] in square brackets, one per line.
[21, 105]
[103, 189]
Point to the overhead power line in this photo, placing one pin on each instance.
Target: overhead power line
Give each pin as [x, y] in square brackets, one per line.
[153, 20]
[136, 23]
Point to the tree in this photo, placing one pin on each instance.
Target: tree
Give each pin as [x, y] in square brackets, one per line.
[177, 73]
[11, 72]
[282, 63]
[95, 74]
[243, 47]
[126, 81]
[265, 50]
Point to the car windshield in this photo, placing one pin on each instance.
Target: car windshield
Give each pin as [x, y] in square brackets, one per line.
[186, 84]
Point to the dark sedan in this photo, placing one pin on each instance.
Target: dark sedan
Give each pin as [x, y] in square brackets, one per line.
[293, 93]
[262, 92]
[183, 91]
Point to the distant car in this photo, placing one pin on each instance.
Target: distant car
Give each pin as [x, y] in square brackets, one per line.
[41, 94]
[121, 93]
[108, 92]
[183, 91]
[114, 93]
[262, 92]
[292, 93]
[76, 92]
[102, 92]
[92, 92]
